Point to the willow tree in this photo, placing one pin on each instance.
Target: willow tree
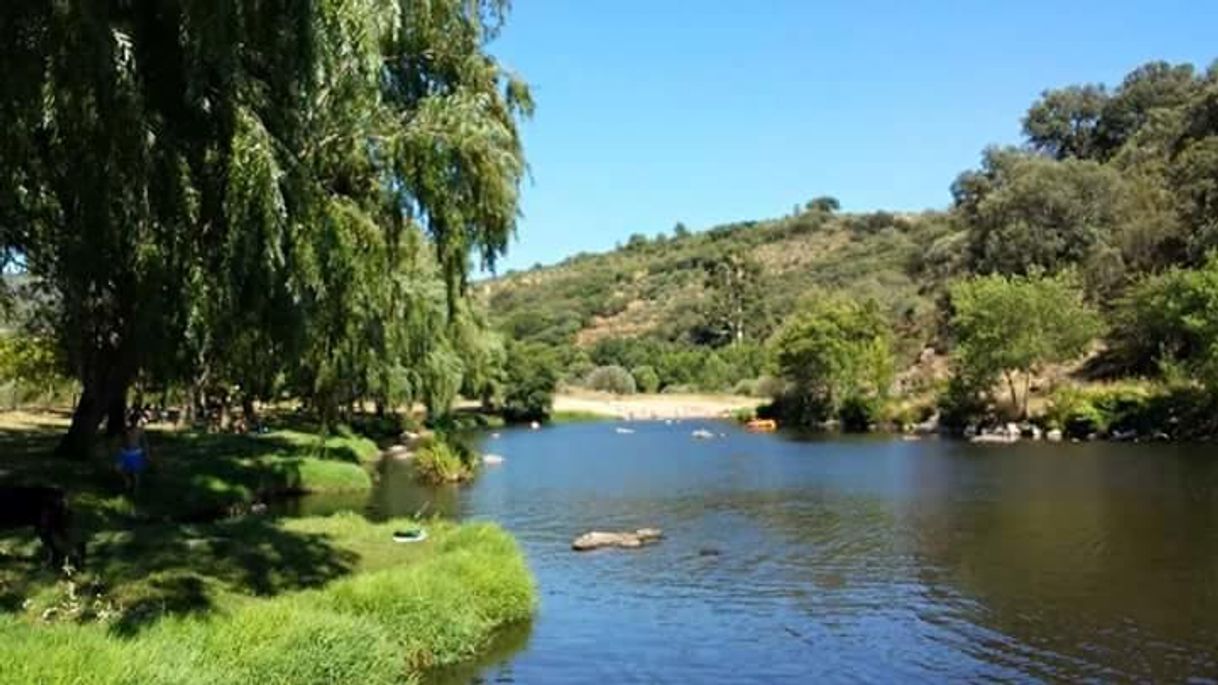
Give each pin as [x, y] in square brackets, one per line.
[228, 186]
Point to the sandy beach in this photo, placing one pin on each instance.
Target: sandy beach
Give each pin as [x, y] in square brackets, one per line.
[644, 407]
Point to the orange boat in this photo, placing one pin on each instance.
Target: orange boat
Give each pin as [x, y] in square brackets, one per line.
[761, 425]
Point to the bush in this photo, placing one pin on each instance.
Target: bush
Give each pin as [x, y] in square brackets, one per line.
[646, 379]
[713, 376]
[769, 386]
[614, 379]
[1079, 412]
[438, 461]
[964, 400]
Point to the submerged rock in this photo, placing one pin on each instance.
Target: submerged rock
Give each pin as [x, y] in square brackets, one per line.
[492, 459]
[598, 539]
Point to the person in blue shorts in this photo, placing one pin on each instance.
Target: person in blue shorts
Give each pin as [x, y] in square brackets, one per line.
[133, 454]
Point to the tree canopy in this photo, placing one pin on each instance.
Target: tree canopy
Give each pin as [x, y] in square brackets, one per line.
[835, 355]
[257, 193]
[1014, 325]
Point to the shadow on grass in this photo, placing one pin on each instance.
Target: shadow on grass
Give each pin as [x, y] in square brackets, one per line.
[156, 571]
[153, 571]
[172, 548]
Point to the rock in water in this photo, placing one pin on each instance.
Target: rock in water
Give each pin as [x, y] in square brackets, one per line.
[630, 540]
[492, 459]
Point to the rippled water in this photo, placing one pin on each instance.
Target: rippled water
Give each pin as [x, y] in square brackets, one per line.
[849, 559]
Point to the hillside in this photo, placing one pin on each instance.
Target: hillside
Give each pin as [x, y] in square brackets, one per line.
[656, 288]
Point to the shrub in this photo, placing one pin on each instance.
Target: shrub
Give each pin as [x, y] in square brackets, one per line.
[1079, 412]
[614, 379]
[646, 379]
[964, 400]
[438, 461]
[713, 376]
[769, 386]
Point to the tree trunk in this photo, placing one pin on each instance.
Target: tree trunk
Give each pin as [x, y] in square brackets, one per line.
[1014, 392]
[1027, 390]
[103, 397]
[248, 411]
[116, 415]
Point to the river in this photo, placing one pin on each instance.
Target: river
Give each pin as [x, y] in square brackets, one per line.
[847, 559]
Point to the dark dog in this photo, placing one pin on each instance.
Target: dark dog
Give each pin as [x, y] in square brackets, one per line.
[46, 509]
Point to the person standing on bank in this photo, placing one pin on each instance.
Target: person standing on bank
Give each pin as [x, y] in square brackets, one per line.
[133, 455]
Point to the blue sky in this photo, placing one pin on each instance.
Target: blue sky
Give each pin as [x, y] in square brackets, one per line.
[657, 111]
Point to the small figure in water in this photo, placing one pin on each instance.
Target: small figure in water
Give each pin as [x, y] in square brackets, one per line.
[133, 455]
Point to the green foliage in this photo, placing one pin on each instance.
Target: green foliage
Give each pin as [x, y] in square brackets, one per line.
[733, 283]
[715, 374]
[1081, 412]
[1026, 213]
[530, 380]
[244, 204]
[1172, 318]
[438, 461]
[32, 367]
[646, 380]
[413, 607]
[662, 302]
[1015, 325]
[614, 379]
[824, 204]
[835, 354]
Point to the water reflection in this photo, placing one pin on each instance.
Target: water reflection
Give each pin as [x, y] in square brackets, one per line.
[875, 560]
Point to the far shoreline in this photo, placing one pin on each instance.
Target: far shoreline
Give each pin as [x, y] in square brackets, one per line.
[644, 407]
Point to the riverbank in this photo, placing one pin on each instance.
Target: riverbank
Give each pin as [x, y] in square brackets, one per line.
[194, 475]
[330, 599]
[191, 582]
[654, 406]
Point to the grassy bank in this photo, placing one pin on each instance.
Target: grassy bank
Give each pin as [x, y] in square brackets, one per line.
[194, 475]
[294, 601]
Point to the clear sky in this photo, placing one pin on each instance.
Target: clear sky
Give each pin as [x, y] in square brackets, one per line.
[651, 112]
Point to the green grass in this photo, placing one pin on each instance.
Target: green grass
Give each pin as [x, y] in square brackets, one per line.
[195, 475]
[409, 608]
[561, 417]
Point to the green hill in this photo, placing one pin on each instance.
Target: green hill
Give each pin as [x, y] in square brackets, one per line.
[657, 288]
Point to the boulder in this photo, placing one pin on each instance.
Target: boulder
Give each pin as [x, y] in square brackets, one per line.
[1054, 435]
[492, 459]
[630, 540]
[1000, 437]
[397, 452]
[928, 426]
